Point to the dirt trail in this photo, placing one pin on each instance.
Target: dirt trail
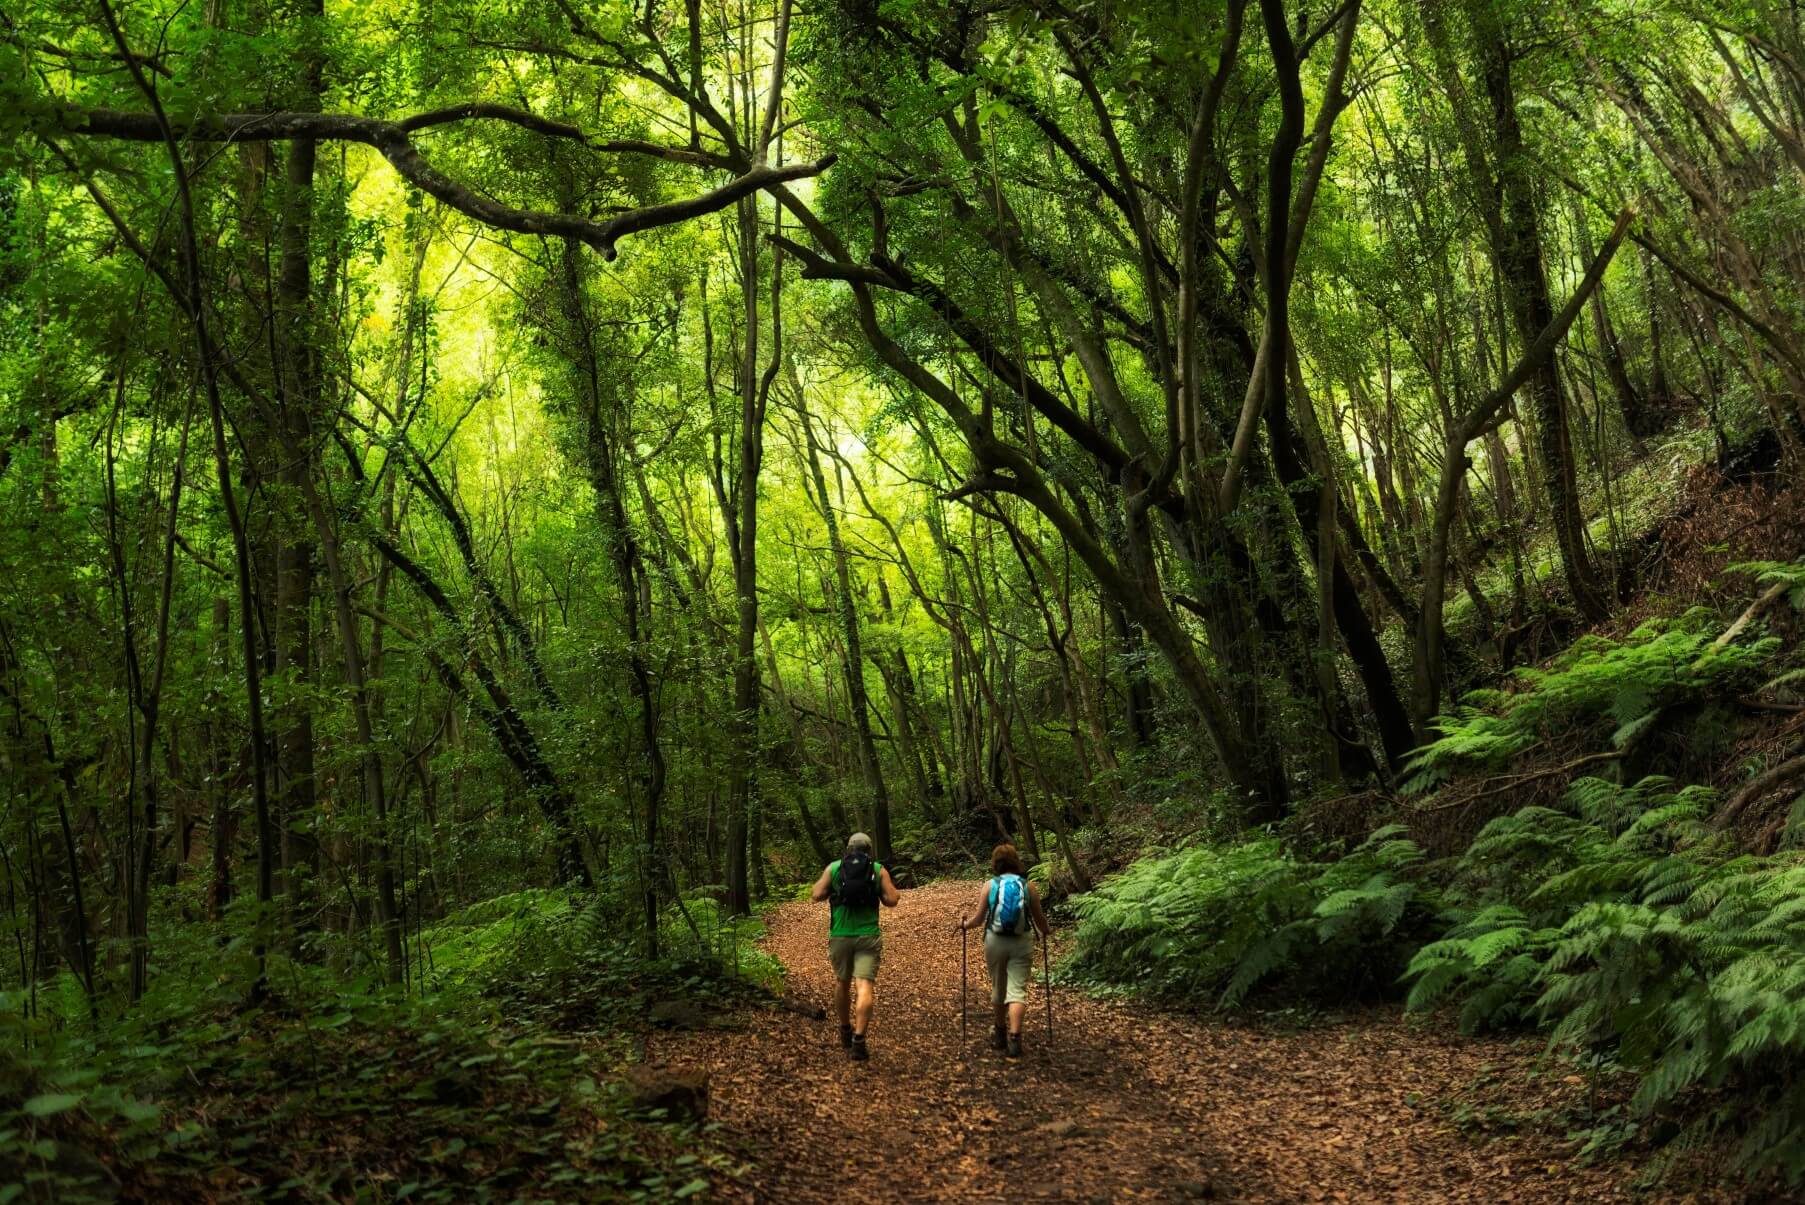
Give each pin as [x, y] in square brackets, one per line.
[1127, 1104]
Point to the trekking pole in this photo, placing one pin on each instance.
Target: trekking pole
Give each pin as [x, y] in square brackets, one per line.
[1046, 977]
[962, 977]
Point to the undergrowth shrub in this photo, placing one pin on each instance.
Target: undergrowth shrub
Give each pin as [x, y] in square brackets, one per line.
[1526, 875]
[570, 963]
[1629, 926]
[365, 1093]
[491, 1074]
[495, 936]
[1210, 925]
[1599, 688]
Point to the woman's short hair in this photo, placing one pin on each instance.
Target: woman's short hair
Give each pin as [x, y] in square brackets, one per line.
[1005, 859]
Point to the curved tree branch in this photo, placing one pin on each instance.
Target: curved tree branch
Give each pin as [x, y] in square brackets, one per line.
[391, 138]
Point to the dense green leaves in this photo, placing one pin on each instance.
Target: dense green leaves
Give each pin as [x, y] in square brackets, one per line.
[1621, 919]
[1207, 926]
[1597, 685]
[994, 421]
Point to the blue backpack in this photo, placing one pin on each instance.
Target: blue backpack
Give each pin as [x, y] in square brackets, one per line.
[1008, 905]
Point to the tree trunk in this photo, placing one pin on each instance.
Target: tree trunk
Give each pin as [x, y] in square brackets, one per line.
[744, 535]
[296, 394]
[601, 446]
[1518, 247]
[858, 702]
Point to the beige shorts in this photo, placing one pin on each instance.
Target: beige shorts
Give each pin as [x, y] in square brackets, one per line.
[1010, 959]
[855, 957]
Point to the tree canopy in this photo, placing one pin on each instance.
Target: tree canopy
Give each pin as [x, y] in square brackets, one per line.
[452, 448]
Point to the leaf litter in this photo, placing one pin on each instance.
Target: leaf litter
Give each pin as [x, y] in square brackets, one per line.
[1126, 1103]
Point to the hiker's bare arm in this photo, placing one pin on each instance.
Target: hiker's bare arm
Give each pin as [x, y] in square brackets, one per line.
[887, 889]
[1035, 911]
[977, 914]
[822, 885]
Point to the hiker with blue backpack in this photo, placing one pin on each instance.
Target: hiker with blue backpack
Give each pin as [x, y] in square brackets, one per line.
[1007, 908]
[856, 884]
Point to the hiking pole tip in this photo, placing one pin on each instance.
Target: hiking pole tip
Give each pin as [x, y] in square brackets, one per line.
[1046, 976]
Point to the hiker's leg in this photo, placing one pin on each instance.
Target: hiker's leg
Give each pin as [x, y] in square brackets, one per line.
[1015, 989]
[840, 957]
[1017, 1011]
[867, 998]
[866, 954]
[996, 961]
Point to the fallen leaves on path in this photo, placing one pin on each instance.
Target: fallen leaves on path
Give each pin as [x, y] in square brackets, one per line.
[1126, 1104]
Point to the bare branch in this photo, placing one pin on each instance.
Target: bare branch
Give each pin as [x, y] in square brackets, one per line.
[391, 139]
[479, 109]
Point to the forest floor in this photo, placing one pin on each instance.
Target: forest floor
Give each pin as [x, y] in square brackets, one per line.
[1125, 1103]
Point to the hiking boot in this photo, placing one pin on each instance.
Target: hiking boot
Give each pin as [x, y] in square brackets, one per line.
[1015, 1045]
[846, 1037]
[859, 1053]
[998, 1038]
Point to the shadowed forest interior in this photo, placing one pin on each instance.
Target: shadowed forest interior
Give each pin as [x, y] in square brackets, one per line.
[494, 494]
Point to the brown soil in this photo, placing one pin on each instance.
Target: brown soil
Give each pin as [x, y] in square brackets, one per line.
[1123, 1104]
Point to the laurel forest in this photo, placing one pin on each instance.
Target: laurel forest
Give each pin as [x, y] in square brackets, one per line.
[496, 494]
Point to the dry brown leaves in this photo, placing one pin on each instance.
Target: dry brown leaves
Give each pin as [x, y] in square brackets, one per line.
[1713, 526]
[1125, 1105]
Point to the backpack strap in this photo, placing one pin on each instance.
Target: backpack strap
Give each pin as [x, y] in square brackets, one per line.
[990, 901]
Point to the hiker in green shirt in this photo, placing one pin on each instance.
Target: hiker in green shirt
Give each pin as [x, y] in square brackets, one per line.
[856, 884]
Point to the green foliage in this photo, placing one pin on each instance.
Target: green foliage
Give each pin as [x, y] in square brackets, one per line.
[506, 936]
[1630, 927]
[492, 1074]
[1613, 689]
[1220, 922]
[1791, 574]
[1526, 875]
[1696, 980]
[567, 962]
[493, 1078]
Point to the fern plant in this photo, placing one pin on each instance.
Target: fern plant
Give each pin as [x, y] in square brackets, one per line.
[1177, 926]
[1698, 984]
[1493, 959]
[1527, 875]
[1790, 574]
[1630, 927]
[1215, 924]
[1615, 688]
[1354, 936]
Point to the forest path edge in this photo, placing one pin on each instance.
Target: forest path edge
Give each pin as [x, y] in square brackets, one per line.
[1126, 1104]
